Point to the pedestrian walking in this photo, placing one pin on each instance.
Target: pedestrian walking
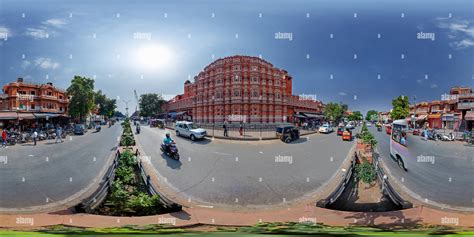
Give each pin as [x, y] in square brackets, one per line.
[4, 138]
[225, 129]
[35, 136]
[241, 130]
[58, 134]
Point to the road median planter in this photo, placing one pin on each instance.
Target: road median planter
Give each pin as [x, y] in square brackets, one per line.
[126, 190]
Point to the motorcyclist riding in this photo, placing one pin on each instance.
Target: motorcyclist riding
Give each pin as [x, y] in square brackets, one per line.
[167, 141]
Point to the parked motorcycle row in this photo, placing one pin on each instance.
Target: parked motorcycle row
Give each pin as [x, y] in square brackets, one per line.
[434, 135]
[27, 137]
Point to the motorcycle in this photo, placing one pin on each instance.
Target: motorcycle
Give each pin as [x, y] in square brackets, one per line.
[171, 152]
[449, 137]
[138, 129]
[97, 128]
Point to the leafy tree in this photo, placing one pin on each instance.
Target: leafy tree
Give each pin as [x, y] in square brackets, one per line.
[106, 106]
[119, 195]
[81, 92]
[401, 108]
[372, 115]
[355, 116]
[333, 111]
[150, 104]
[144, 204]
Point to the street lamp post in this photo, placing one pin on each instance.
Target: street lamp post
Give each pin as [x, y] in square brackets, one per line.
[126, 107]
[414, 112]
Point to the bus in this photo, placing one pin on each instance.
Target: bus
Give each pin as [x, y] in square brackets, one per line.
[399, 142]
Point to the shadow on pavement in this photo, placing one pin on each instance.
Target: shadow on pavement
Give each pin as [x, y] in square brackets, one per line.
[182, 215]
[204, 141]
[173, 164]
[399, 220]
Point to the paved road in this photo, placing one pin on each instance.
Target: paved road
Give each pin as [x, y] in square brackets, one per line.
[448, 179]
[238, 173]
[47, 173]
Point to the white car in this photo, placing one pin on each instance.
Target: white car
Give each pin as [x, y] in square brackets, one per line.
[326, 128]
[189, 129]
[350, 126]
[369, 124]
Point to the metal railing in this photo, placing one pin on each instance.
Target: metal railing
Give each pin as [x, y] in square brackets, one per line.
[89, 204]
[168, 204]
[387, 189]
[341, 187]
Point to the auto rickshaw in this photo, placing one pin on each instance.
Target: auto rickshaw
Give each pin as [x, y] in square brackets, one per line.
[379, 127]
[160, 123]
[347, 135]
[287, 133]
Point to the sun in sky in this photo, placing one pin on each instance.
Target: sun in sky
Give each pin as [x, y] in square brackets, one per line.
[153, 57]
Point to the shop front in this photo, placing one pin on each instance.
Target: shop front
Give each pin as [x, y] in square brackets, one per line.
[434, 121]
[469, 118]
[449, 121]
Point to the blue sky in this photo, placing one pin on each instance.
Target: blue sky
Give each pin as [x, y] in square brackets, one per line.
[55, 40]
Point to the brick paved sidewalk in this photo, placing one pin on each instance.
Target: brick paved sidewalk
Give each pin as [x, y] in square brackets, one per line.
[300, 213]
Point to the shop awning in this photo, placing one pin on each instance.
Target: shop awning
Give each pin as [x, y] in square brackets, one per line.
[421, 117]
[469, 116]
[26, 116]
[311, 115]
[45, 115]
[434, 116]
[300, 116]
[8, 115]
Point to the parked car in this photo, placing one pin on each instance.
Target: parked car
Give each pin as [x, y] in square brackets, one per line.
[340, 130]
[79, 129]
[287, 133]
[326, 128]
[189, 129]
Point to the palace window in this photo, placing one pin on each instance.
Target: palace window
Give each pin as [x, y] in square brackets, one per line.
[254, 94]
[254, 68]
[254, 79]
[236, 78]
[236, 93]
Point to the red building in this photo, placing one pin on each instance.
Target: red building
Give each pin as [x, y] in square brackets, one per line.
[244, 89]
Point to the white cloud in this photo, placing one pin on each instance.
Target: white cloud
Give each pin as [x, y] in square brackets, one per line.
[461, 32]
[37, 33]
[45, 30]
[25, 64]
[55, 22]
[465, 43]
[342, 93]
[46, 63]
[434, 86]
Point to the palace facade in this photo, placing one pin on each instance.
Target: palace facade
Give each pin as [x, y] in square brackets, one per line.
[243, 89]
